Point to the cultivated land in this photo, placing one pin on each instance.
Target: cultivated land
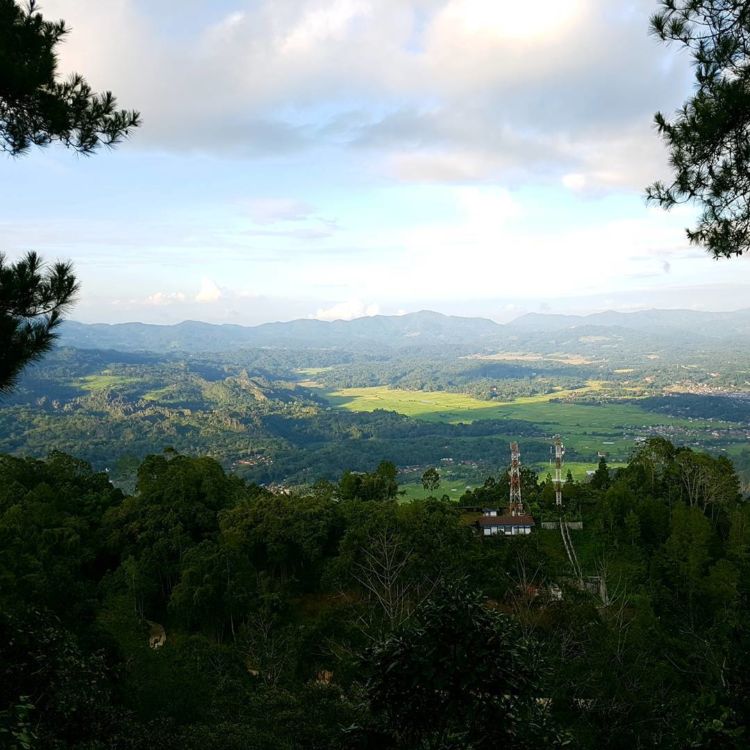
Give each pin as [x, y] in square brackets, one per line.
[589, 428]
[438, 406]
[103, 381]
[414, 490]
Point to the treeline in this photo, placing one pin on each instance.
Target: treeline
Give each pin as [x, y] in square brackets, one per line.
[483, 379]
[722, 408]
[337, 617]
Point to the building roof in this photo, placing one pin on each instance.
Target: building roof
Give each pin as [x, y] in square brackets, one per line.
[506, 520]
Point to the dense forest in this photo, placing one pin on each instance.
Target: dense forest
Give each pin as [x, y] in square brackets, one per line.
[205, 612]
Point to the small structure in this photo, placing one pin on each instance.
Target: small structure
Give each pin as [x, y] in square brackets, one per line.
[516, 521]
[491, 524]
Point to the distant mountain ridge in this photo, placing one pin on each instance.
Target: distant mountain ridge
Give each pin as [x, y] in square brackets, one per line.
[425, 327]
[693, 321]
[419, 329]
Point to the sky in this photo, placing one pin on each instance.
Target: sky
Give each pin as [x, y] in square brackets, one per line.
[339, 158]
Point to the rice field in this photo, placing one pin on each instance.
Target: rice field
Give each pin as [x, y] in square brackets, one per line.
[610, 427]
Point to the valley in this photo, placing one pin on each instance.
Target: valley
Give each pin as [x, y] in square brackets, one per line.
[295, 412]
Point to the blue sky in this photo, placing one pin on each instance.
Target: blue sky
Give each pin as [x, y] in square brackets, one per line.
[310, 158]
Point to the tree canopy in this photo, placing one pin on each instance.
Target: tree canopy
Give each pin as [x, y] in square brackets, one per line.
[459, 675]
[709, 147]
[35, 107]
[33, 299]
[308, 620]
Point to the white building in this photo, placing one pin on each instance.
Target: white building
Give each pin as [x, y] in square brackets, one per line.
[491, 523]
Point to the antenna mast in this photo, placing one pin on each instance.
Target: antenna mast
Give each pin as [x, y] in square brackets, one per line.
[516, 504]
[559, 456]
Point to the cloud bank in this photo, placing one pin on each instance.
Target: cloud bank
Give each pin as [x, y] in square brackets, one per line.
[428, 90]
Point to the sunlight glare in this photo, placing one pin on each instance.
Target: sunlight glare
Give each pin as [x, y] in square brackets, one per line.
[514, 20]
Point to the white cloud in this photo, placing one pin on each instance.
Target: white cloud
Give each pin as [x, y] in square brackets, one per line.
[353, 308]
[486, 209]
[209, 291]
[324, 23]
[559, 88]
[435, 166]
[510, 19]
[574, 181]
[164, 298]
[497, 245]
[375, 140]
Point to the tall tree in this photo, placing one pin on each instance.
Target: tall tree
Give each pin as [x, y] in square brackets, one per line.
[431, 479]
[708, 138]
[459, 675]
[36, 109]
[600, 478]
[33, 299]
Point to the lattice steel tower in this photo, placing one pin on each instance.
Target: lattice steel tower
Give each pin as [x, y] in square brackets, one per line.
[516, 503]
[559, 457]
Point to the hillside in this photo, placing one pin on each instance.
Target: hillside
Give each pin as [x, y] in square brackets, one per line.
[652, 328]
[415, 329]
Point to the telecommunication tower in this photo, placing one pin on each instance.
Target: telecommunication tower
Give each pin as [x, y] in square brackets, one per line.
[559, 457]
[516, 504]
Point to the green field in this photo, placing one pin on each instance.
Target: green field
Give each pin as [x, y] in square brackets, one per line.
[453, 488]
[547, 409]
[105, 381]
[608, 427]
[440, 406]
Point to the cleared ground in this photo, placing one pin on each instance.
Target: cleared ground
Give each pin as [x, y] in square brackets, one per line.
[104, 381]
[611, 427]
[453, 488]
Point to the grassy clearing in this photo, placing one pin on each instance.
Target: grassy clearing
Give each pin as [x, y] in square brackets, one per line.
[312, 371]
[453, 488]
[545, 409]
[560, 357]
[577, 468]
[444, 406]
[161, 394]
[588, 428]
[103, 382]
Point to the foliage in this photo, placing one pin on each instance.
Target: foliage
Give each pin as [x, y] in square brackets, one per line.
[32, 302]
[15, 727]
[431, 479]
[35, 107]
[600, 479]
[378, 485]
[709, 138]
[458, 675]
[303, 619]
[51, 547]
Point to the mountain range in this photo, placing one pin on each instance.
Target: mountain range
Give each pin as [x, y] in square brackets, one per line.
[415, 330]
